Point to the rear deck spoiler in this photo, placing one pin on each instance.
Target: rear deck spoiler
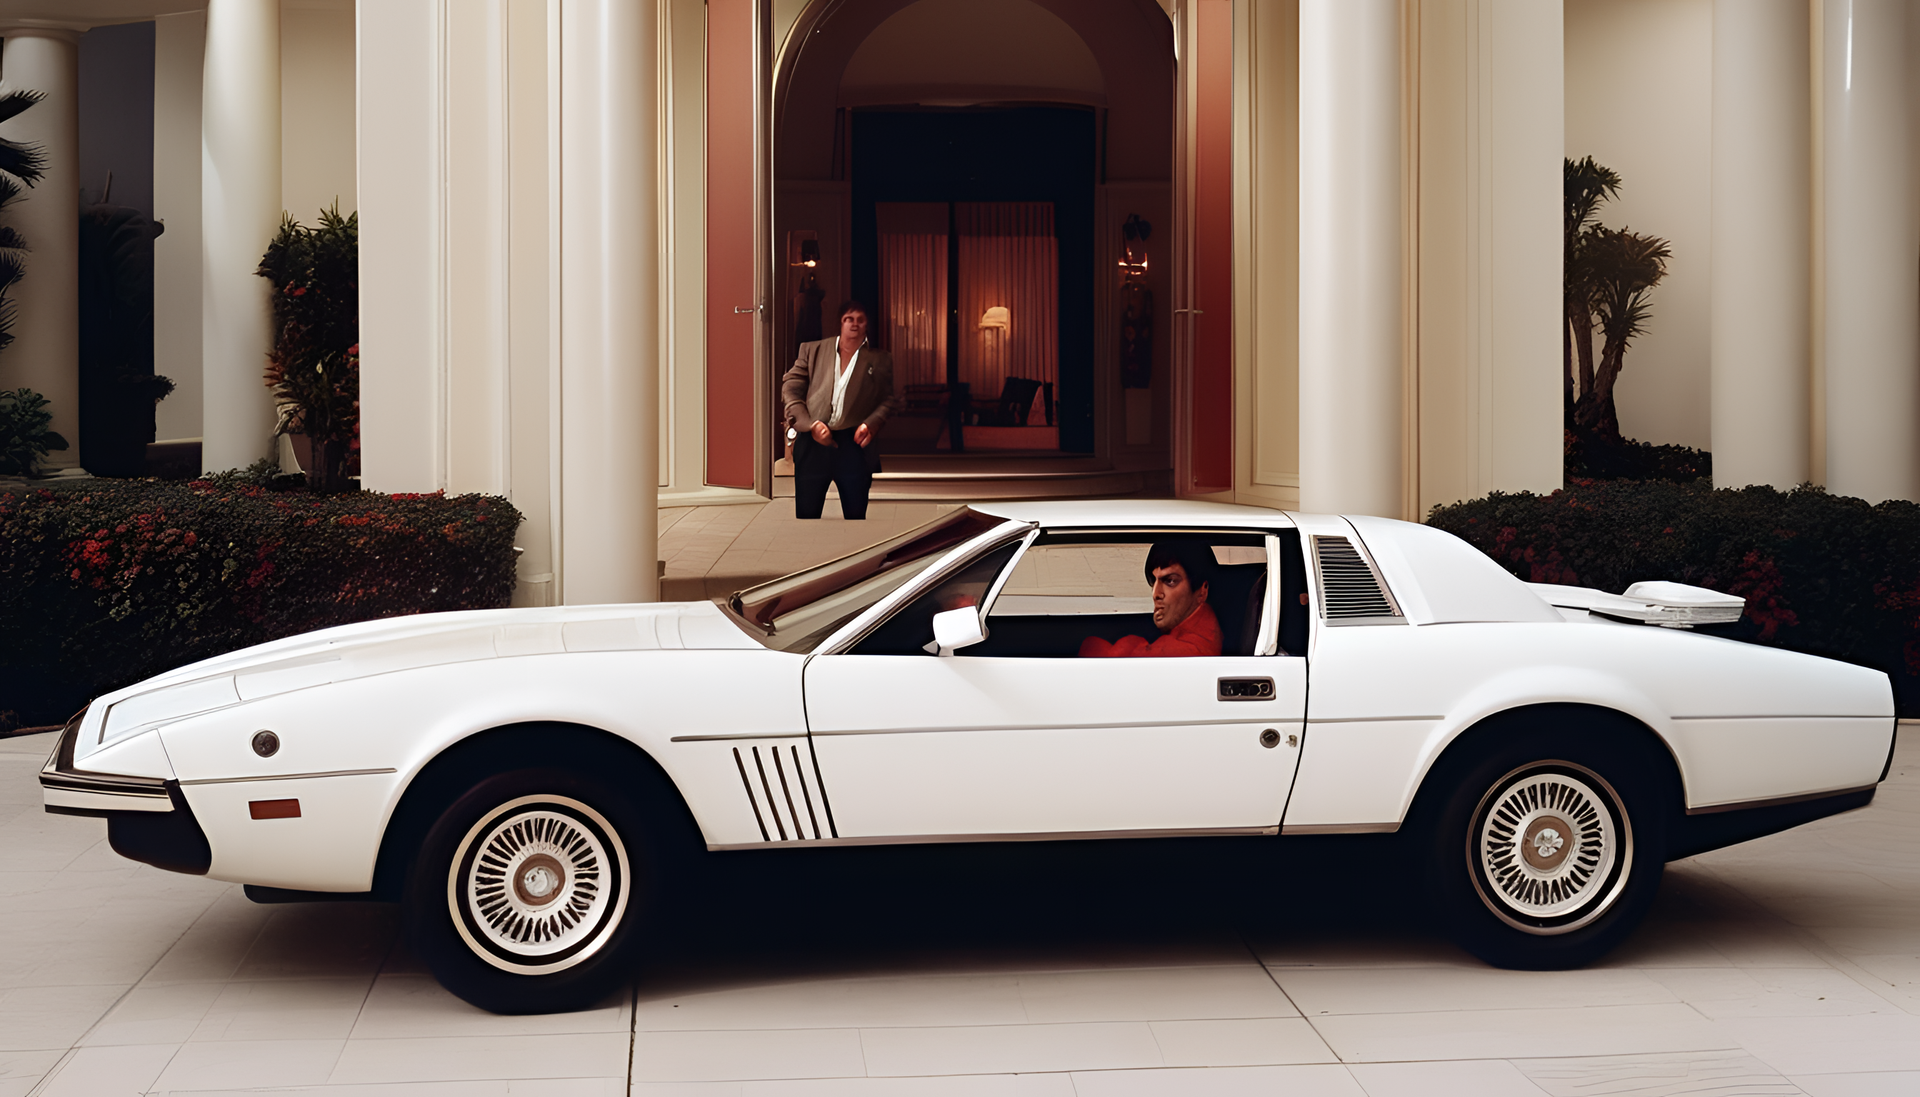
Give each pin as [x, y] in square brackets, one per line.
[1669, 605]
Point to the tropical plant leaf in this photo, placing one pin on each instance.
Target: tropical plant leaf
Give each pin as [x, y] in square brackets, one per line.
[9, 190]
[12, 267]
[27, 163]
[13, 102]
[11, 240]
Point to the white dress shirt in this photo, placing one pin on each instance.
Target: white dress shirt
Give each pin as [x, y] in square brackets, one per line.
[837, 419]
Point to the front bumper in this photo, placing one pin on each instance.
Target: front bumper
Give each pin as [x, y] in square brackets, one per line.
[148, 820]
[69, 790]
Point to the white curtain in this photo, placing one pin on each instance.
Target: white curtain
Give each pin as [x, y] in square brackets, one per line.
[1009, 259]
[913, 290]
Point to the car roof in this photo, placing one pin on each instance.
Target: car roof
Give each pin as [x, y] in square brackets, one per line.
[1129, 512]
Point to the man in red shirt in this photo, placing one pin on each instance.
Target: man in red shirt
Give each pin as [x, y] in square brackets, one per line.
[1179, 572]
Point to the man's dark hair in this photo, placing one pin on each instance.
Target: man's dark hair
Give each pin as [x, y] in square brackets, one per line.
[851, 305]
[1194, 556]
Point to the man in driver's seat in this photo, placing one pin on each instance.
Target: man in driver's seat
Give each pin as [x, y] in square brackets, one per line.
[1179, 572]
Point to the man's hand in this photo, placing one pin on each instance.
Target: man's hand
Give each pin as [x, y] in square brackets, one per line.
[862, 435]
[821, 433]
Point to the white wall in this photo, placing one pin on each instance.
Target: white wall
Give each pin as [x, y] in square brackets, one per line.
[179, 47]
[317, 162]
[1639, 100]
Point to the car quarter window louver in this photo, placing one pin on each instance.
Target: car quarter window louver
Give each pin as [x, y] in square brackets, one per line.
[1350, 588]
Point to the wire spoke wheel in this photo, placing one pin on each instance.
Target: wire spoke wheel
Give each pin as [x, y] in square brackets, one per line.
[1550, 848]
[538, 884]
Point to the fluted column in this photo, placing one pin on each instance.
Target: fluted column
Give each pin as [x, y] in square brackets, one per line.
[240, 211]
[1872, 252]
[1351, 351]
[45, 354]
[609, 300]
[1762, 243]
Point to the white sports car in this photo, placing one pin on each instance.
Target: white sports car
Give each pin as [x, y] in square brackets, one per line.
[526, 782]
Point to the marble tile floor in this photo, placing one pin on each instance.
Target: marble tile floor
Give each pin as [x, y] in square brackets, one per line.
[1790, 965]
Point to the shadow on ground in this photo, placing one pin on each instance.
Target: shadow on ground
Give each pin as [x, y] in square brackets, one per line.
[1056, 903]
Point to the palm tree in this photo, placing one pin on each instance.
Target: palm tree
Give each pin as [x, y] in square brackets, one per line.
[1587, 185]
[20, 166]
[1623, 267]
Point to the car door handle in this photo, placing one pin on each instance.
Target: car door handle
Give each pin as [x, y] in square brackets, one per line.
[1246, 689]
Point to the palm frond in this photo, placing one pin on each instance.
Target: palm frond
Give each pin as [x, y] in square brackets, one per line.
[11, 240]
[27, 163]
[14, 102]
[12, 268]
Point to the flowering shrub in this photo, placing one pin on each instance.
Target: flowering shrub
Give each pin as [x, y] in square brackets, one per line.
[1821, 573]
[108, 582]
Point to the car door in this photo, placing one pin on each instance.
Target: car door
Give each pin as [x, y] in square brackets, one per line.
[1018, 736]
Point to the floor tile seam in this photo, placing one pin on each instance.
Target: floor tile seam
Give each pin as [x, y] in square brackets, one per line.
[633, 1027]
[53, 1071]
[1813, 943]
[1275, 980]
[188, 928]
[891, 1028]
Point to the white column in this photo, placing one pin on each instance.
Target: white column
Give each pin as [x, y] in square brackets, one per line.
[179, 49]
[609, 300]
[45, 354]
[1351, 353]
[1872, 254]
[240, 211]
[400, 138]
[1762, 243]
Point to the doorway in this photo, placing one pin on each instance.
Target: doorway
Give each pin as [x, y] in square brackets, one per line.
[981, 174]
[972, 239]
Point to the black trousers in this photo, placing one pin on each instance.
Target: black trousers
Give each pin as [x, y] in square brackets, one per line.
[843, 464]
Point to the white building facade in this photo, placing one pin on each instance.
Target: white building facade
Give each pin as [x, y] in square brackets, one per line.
[579, 223]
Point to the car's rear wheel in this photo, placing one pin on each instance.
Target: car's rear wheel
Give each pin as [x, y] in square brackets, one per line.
[529, 890]
[1548, 850]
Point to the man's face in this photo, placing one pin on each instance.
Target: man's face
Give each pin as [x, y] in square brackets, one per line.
[853, 328]
[1174, 598]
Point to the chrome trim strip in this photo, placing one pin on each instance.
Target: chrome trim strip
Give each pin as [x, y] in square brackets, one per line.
[1311, 720]
[289, 776]
[738, 735]
[1039, 836]
[133, 787]
[1798, 717]
[1779, 801]
[1340, 828]
[1268, 720]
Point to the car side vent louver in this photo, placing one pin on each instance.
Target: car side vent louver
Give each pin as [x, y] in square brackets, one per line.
[782, 793]
[1350, 589]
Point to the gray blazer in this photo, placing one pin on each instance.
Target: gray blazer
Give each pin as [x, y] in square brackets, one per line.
[806, 392]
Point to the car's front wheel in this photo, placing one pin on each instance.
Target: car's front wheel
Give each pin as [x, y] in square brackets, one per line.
[528, 890]
[1547, 852]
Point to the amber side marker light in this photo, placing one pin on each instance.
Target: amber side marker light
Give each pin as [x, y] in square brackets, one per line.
[274, 809]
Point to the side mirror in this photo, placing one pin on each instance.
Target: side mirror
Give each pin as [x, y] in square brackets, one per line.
[957, 628]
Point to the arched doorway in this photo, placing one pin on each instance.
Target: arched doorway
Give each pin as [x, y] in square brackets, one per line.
[969, 168]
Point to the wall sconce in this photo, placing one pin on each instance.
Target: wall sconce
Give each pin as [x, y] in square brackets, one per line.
[1133, 259]
[997, 317]
[809, 253]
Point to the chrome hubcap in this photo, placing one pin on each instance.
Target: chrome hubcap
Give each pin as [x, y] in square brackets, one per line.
[1550, 848]
[538, 884]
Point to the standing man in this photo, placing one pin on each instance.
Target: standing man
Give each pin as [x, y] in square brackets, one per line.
[837, 395]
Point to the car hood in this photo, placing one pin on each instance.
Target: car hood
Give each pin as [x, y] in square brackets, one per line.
[403, 643]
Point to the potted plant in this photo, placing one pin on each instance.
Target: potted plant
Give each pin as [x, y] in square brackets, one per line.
[314, 367]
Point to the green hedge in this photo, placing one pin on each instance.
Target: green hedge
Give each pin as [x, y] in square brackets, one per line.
[1821, 573]
[103, 583]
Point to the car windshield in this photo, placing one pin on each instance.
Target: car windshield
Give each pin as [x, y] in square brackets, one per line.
[797, 612]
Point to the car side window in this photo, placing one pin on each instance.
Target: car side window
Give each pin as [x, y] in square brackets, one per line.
[910, 629]
[1068, 589]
